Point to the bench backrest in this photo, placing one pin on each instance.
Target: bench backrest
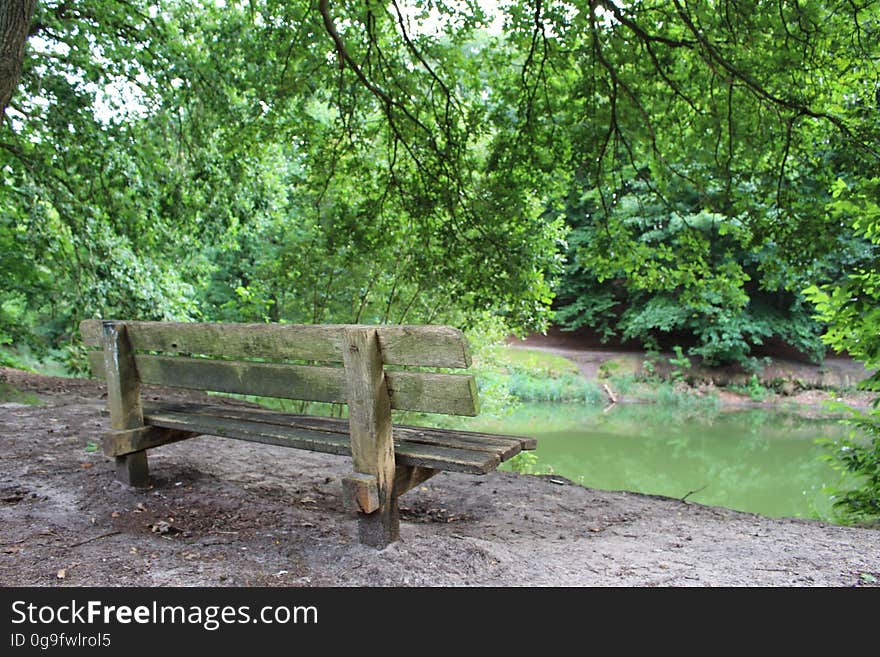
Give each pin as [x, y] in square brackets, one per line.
[254, 359]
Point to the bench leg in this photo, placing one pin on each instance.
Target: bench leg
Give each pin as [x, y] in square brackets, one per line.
[132, 469]
[381, 527]
[378, 519]
[369, 425]
[124, 399]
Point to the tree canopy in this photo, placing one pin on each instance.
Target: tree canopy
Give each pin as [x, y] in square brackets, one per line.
[672, 163]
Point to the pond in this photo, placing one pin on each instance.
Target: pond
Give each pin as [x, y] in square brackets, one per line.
[751, 460]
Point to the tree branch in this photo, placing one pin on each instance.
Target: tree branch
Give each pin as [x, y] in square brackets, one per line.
[713, 55]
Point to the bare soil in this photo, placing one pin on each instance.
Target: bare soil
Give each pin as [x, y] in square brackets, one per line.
[228, 513]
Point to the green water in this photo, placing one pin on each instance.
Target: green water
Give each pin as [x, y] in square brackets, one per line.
[753, 460]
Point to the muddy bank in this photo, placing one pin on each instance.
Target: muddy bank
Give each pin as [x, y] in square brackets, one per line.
[585, 349]
[229, 513]
[790, 384]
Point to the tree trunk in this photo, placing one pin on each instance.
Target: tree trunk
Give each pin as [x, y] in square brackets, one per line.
[15, 20]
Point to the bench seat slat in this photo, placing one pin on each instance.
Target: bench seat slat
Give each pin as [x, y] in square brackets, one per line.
[406, 452]
[504, 446]
[426, 346]
[453, 394]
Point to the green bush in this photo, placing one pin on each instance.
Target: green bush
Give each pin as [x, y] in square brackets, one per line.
[851, 309]
[524, 463]
[8, 359]
[655, 272]
[754, 389]
[681, 364]
[509, 375]
[858, 457]
[567, 388]
[9, 393]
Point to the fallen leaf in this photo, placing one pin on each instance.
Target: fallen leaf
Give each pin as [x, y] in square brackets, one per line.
[86, 466]
[62, 574]
[163, 527]
[115, 514]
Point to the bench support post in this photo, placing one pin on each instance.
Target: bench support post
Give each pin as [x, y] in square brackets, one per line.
[407, 477]
[372, 446]
[130, 441]
[124, 400]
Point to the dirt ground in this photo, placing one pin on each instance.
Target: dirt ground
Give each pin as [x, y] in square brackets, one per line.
[229, 513]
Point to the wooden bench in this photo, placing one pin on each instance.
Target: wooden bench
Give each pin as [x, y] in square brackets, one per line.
[277, 360]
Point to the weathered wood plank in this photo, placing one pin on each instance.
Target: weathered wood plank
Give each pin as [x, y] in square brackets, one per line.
[452, 394]
[120, 443]
[124, 399]
[123, 385]
[407, 453]
[446, 458]
[426, 346]
[360, 493]
[407, 477]
[369, 426]
[315, 441]
[324, 384]
[503, 445]
[503, 448]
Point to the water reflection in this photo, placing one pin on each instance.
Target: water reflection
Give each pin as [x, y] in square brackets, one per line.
[753, 460]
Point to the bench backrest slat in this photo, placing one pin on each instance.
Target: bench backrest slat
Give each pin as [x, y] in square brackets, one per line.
[425, 346]
[452, 394]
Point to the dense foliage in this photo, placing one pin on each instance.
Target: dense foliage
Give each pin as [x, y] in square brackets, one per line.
[706, 138]
[852, 310]
[335, 162]
[232, 163]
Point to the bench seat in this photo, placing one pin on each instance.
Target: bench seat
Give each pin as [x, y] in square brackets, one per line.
[439, 449]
